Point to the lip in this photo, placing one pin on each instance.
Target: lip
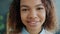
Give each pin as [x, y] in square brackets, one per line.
[33, 23]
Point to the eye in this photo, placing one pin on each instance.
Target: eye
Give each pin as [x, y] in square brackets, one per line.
[25, 9]
[40, 8]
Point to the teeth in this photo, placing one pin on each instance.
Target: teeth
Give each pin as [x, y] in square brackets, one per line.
[32, 22]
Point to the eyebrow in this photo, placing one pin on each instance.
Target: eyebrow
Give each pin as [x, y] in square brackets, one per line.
[24, 6]
[39, 5]
[28, 6]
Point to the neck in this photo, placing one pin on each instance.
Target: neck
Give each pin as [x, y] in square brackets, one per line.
[34, 31]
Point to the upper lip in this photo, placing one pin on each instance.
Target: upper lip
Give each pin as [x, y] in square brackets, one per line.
[33, 21]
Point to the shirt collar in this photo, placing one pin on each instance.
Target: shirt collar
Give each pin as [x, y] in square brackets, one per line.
[25, 32]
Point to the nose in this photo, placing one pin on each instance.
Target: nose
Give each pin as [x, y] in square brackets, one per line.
[33, 14]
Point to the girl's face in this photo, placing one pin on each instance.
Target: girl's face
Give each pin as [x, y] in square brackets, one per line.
[32, 13]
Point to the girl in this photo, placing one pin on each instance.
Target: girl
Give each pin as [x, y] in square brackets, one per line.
[31, 17]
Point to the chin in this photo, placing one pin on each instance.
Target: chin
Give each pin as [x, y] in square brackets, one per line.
[33, 27]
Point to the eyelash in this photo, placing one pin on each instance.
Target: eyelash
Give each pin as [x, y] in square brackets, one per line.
[24, 9]
[28, 9]
[39, 8]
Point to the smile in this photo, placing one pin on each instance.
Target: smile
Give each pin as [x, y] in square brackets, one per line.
[33, 23]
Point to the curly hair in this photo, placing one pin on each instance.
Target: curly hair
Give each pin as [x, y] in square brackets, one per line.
[14, 19]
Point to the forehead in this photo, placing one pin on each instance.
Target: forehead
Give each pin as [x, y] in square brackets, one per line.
[30, 2]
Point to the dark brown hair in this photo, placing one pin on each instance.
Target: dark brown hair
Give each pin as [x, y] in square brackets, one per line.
[14, 20]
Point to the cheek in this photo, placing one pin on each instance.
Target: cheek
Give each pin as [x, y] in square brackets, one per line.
[23, 17]
[42, 17]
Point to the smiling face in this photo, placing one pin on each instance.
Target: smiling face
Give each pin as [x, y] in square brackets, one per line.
[32, 13]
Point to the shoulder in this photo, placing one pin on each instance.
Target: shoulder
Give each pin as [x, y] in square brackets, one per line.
[45, 31]
[49, 32]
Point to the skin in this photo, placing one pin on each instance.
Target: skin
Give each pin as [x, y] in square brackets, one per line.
[32, 15]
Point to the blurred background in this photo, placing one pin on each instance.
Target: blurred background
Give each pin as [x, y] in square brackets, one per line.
[57, 7]
[4, 9]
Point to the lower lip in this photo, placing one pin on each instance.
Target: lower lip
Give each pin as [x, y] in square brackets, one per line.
[33, 24]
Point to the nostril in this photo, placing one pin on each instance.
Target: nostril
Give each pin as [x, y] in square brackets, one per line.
[32, 17]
